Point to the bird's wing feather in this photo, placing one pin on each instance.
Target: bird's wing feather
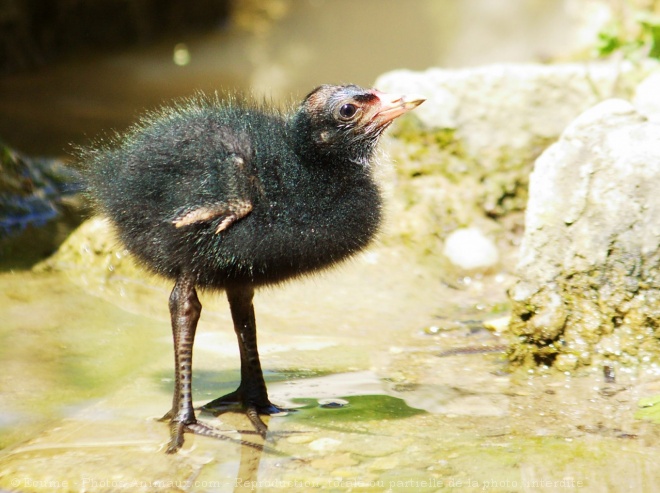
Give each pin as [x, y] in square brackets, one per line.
[234, 207]
[230, 211]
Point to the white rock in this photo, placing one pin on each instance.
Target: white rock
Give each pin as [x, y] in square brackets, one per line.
[647, 97]
[469, 248]
[505, 108]
[596, 184]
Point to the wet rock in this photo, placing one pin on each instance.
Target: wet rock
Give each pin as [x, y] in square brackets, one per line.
[298, 439]
[39, 207]
[32, 190]
[374, 446]
[93, 257]
[93, 251]
[463, 160]
[332, 461]
[589, 288]
[566, 362]
[497, 325]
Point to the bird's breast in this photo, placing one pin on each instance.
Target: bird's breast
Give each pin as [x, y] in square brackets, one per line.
[287, 235]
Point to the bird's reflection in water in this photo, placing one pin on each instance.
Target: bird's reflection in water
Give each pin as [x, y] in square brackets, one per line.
[253, 445]
[250, 460]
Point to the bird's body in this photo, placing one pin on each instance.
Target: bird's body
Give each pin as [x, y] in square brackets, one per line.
[234, 196]
[304, 216]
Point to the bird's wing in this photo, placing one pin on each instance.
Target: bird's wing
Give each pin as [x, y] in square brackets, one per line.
[230, 211]
[236, 206]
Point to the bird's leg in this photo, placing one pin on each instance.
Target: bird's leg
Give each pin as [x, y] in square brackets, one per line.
[251, 393]
[253, 386]
[185, 309]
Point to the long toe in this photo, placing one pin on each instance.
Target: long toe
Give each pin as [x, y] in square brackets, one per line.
[260, 427]
[203, 429]
[177, 430]
[254, 415]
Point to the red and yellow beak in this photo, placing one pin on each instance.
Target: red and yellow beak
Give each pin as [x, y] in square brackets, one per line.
[393, 106]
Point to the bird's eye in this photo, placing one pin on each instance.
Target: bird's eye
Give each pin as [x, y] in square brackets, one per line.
[348, 111]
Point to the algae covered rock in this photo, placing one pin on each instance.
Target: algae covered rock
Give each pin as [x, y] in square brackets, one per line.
[32, 190]
[93, 258]
[589, 267]
[39, 206]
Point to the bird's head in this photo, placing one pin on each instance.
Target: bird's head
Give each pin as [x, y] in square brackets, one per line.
[338, 122]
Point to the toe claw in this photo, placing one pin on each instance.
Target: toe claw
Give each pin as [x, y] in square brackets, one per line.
[260, 427]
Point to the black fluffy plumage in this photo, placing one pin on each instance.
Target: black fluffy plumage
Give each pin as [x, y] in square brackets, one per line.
[233, 195]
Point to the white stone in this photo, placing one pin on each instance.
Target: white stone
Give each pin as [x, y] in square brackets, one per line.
[469, 248]
[512, 107]
[647, 97]
[598, 183]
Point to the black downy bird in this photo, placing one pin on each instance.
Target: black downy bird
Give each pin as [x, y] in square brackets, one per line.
[232, 196]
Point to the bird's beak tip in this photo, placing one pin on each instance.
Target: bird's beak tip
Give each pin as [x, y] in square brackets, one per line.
[412, 101]
[395, 105]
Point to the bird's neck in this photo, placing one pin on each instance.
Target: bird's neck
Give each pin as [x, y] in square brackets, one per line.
[309, 146]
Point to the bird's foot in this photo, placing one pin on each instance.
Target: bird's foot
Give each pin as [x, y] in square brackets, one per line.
[177, 430]
[259, 426]
[225, 403]
[241, 400]
[179, 427]
[238, 400]
[199, 428]
[179, 424]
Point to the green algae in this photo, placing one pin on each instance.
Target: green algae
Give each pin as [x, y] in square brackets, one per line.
[649, 409]
[358, 408]
[595, 317]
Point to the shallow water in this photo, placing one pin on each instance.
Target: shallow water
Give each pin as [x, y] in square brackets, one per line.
[85, 380]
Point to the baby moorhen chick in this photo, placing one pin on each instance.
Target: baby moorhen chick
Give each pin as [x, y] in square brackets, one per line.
[233, 196]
